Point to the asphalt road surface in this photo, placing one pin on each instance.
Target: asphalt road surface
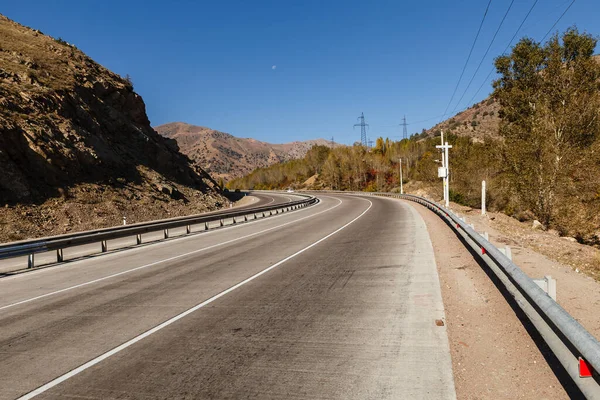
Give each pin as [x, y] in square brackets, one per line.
[258, 199]
[334, 301]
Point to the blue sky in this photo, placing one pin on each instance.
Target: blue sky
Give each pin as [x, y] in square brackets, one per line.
[211, 63]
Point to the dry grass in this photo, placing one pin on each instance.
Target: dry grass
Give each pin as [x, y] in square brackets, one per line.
[34, 61]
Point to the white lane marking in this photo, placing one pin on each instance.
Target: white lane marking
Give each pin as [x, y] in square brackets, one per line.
[162, 261]
[272, 200]
[157, 243]
[176, 318]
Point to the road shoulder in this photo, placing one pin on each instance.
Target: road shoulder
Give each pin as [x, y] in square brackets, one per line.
[493, 355]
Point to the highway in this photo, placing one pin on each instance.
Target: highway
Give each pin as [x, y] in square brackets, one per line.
[336, 301]
[257, 199]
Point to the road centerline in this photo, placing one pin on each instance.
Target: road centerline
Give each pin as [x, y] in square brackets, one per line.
[162, 261]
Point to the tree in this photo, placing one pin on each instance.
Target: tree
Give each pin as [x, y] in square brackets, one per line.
[549, 99]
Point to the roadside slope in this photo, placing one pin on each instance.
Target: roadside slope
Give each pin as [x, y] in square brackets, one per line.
[77, 149]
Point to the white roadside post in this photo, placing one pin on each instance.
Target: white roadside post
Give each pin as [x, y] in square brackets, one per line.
[401, 189]
[482, 197]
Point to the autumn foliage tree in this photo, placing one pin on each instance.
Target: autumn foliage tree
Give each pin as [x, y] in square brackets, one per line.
[550, 101]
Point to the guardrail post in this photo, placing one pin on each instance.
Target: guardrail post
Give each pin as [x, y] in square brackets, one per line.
[245, 218]
[31, 261]
[234, 221]
[548, 285]
[138, 239]
[206, 226]
[166, 233]
[254, 215]
[104, 246]
[221, 223]
[188, 229]
[59, 255]
[507, 252]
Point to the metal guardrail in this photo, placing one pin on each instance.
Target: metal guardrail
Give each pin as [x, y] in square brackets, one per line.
[570, 342]
[59, 243]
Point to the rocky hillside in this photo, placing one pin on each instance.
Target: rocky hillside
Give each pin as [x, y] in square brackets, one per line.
[76, 147]
[227, 156]
[477, 121]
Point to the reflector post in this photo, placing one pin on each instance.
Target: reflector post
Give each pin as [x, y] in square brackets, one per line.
[585, 369]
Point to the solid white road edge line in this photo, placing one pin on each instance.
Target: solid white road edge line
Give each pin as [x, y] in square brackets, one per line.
[162, 261]
[176, 318]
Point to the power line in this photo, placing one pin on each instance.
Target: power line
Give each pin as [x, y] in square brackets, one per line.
[559, 18]
[468, 58]
[507, 47]
[412, 123]
[485, 55]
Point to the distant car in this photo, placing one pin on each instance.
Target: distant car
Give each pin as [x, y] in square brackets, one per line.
[290, 191]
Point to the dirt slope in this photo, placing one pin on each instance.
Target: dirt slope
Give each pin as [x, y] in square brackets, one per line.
[227, 156]
[75, 136]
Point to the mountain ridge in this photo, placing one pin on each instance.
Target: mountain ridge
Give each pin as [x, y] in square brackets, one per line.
[227, 156]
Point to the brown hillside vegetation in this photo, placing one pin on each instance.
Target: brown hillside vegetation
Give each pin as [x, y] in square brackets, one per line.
[76, 147]
[535, 142]
[226, 156]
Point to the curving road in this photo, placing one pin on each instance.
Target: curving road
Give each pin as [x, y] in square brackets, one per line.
[338, 301]
[256, 199]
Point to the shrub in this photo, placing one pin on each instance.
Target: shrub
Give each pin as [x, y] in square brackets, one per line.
[129, 82]
[61, 41]
[457, 197]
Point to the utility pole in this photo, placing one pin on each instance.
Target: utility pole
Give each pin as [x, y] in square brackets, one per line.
[332, 143]
[445, 170]
[404, 130]
[363, 129]
[400, 167]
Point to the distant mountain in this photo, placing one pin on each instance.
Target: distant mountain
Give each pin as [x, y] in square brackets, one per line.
[226, 156]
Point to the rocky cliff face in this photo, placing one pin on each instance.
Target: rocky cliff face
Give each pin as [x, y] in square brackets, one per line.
[71, 129]
[227, 156]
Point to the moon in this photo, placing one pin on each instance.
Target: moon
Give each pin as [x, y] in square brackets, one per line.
[274, 67]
